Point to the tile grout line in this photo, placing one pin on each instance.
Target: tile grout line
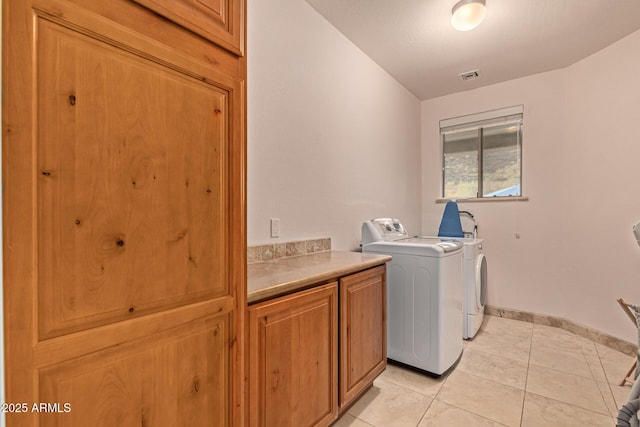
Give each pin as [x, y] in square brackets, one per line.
[457, 407]
[435, 396]
[569, 403]
[426, 395]
[475, 413]
[608, 381]
[572, 405]
[604, 401]
[593, 379]
[587, 356]
[412, 391]
[424, 414]
[526, 378]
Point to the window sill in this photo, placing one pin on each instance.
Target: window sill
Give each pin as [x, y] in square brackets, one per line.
[486, 199]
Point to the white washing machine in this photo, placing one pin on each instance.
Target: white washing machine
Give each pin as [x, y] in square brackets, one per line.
[474, 274]
[424, 295]
[475, 286]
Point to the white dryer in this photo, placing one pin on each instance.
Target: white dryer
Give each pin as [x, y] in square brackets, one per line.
[475, 286]
[424, 295]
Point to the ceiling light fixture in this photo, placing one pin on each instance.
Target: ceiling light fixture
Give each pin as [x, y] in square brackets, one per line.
[468, 14]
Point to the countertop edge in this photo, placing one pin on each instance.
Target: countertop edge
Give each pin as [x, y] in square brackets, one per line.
[332, 273]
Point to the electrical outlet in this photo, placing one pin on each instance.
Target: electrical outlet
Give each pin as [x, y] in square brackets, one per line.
[275, 227]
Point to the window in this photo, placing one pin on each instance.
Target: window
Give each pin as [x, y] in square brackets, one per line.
[482, 154]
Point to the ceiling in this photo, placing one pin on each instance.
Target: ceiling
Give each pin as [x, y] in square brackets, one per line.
[414, 42]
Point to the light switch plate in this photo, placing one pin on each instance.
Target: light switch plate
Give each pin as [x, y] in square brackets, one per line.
[275, 227]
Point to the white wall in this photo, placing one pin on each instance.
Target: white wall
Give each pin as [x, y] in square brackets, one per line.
[603, 186]
[332, 138]
[581, 156]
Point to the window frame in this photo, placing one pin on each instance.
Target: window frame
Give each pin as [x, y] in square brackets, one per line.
[478, 122]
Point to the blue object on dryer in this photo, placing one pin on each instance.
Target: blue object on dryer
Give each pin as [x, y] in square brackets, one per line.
[450, 226]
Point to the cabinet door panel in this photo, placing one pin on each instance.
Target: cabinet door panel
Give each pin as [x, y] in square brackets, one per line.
[363, 343]
[293, 366]
[132, 184]
[217, 20]
[179, 381]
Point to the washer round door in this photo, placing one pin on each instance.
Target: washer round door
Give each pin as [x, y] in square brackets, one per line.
[481, 281]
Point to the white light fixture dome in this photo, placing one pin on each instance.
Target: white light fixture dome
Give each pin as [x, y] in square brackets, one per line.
[468, 14]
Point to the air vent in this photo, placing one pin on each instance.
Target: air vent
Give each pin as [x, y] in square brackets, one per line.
[470, 75]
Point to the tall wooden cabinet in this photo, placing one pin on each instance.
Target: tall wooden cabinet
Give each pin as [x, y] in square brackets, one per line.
[124, 211]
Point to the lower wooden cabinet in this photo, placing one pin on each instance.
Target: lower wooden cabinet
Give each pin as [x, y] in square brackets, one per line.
[363, 344]
[298, 341]
[293, 359]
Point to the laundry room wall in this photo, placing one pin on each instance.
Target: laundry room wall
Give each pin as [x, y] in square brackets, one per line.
[332, 138]
[575, 253]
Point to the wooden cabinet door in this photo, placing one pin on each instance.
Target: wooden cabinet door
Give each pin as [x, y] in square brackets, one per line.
[124, 246]
[221, 21]
[132, 185]
[363, 345]
[293, 370]
[180, 379]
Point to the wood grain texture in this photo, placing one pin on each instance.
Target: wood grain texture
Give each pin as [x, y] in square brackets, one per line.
[124, 216]
[293, 359]
[220, 21]
[181, 380]
[363, 346]
[18, 209]
[132, 197]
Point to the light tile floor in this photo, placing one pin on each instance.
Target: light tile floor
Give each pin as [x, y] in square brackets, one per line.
[511, 374]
